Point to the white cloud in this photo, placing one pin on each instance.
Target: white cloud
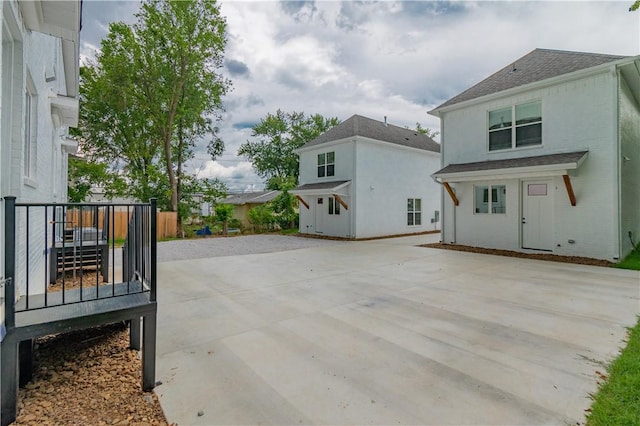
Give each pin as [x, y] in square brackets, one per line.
[393, 58]
[238, 176]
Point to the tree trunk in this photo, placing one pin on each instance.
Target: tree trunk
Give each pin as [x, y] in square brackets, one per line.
[225, 228]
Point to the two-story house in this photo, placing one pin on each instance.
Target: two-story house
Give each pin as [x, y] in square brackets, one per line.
[365, 178]
[544, 155]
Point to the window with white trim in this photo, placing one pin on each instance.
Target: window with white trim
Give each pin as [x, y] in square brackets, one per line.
[494, 204]
[334, 206]
[326, 164]
[527, 131]
[414, 211]
[30, 136]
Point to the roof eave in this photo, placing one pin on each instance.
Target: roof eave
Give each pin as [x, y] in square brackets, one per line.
[598, 69]
[511, 172]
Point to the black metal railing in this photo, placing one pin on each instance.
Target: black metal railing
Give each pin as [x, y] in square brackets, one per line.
[64, 253]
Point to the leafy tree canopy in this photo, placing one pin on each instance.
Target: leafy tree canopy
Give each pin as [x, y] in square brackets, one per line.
[152, 93]
[635, 6]
[426, 131]
[275, 138]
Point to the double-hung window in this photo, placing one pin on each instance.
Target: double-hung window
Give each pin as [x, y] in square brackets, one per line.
[326, 164]
[490, 199]
[527, 131]
[414, 211]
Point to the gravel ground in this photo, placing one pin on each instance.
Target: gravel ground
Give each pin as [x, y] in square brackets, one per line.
[237, 245]
[88, 377]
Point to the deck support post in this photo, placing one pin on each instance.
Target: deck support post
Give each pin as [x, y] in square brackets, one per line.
[134, 333]
[9, 380]
[8, 347]
[149, 352]
[25, 355]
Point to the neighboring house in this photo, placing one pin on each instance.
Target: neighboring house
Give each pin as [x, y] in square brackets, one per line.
[544, 155]
[365, 178]
[202, 208]
[244, 202]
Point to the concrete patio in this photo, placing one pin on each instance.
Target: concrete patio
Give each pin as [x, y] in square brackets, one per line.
[383, 332]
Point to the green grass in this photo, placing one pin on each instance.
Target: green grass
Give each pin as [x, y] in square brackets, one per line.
[289, 231]
[632, 261]
[617, 401]
[118, 242]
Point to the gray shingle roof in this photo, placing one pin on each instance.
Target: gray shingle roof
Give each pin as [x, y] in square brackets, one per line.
[540, 160]
[537, 65]
[357, 125]
[321, 185]
[259, 197]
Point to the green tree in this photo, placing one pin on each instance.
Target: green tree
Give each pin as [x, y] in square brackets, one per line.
[262, 218]
[224, 212]
[276, 137]
[84, 175]
[426, 131]
[635, 6]
[153, 92]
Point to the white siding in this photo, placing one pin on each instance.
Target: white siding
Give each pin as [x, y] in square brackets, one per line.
[578, 115]
[31, 54]
[316, 219]
[383, 176]
[629, 133]
[387, 176]
[343, 163]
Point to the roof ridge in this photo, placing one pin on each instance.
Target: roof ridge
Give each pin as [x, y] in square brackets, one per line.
[537, 65]
[577, 52]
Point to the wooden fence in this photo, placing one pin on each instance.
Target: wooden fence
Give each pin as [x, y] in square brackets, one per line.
[167, 226]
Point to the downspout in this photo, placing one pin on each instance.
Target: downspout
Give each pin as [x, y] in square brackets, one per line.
[616, 138]
[354, 191]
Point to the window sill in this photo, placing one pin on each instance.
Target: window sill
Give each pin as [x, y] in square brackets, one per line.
[27, 181]
[522, 148]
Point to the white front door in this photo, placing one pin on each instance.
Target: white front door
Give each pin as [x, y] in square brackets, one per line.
[319, 215]
[537, 215]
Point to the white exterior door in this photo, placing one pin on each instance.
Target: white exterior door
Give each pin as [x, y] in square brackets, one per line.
[537, 215]
[319, 215]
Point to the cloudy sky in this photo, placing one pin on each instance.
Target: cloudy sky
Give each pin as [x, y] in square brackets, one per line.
[374, 58]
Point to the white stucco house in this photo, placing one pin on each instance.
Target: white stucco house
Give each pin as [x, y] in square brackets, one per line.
[39, 72]
[365, 178]
[544, 155]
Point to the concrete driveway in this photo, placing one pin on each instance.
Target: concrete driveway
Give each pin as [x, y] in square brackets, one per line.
[383, 332]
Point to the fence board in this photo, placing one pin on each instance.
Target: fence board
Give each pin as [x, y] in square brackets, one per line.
[167, 222]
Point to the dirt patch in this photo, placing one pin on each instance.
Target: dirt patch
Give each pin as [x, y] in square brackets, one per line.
[509, 253]
[89, 377]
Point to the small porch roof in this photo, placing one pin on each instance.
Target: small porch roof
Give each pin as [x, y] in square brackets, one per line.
[535, 166]
[322, 188]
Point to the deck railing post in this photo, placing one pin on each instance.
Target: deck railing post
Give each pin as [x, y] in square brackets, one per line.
[153, 253]
[9, 261]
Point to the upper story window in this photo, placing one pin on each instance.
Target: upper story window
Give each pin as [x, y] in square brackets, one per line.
[526, 132]
[326, 164]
